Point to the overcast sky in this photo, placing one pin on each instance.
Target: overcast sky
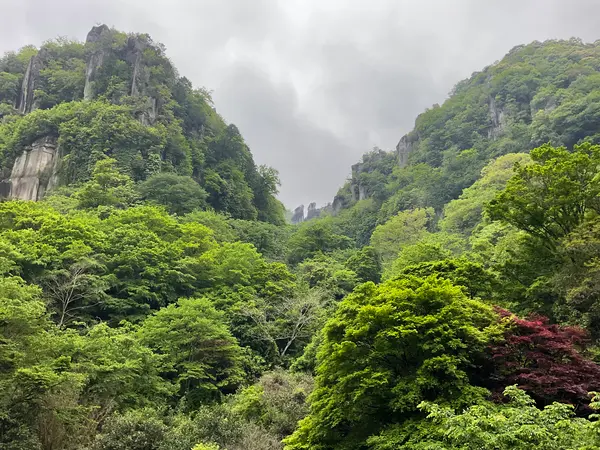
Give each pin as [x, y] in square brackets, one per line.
[313, 84]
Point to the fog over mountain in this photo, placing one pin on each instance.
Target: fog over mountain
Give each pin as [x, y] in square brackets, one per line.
[313, 84]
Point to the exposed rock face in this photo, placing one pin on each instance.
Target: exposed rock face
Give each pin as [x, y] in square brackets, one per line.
[298, 216]
[313, 211]
[498, 117]
[403, 149]
[26, 101]
[338, 204]
[94, 62]
[133, 54]
[34, 171]
[357, 169]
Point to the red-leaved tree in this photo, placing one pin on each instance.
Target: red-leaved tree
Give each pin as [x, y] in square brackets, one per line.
[546, 361]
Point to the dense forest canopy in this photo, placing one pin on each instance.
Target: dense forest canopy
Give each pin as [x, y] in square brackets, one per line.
[153, 298]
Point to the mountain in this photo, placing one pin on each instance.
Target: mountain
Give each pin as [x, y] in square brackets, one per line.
[538, 93]
[68, 104]
[152, 297]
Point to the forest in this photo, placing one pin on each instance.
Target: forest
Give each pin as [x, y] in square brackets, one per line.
[154, 297]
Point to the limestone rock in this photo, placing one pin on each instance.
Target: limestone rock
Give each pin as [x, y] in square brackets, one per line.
[298, 216]
[312, 211]
[338, 204]
[403, 149]
[26, 101]
[498, 118]
[94, 40]
[34, 171]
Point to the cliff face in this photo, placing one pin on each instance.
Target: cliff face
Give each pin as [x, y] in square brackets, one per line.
[118, 95]
[540, 92]
[26, 101]
[34, 171]
[97, 53]
[35, 168]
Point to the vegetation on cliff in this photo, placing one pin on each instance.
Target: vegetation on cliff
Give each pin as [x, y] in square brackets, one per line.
[155, 299]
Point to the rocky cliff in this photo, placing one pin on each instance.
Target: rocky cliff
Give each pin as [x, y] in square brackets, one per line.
[34, 171]
[35, 167]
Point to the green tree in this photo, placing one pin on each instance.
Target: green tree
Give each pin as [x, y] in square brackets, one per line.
[200, 355]
[551, 197]
[108, 187]
[179, 194]
[463, 214]
[314, 237]
[405, 228]
[387, 349]
[517, 425]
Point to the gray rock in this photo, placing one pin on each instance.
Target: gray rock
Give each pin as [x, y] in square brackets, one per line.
[298, 216]
[34, 171]
[26, 101]
[338, 204]
[498, 118]
[403, 149]
[96, 57]
[313, 211]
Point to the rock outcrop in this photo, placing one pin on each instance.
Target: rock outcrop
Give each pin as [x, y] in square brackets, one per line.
[312, 211]
[95, 59]
[133, 54]
[498, 118]
[26, 101]
[403, 149]
[337, 205]
[34, 171]
[298, 216]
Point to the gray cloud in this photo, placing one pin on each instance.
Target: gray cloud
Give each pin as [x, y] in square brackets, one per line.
[312, 84]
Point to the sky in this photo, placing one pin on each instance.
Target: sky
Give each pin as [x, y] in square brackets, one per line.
[314, 84]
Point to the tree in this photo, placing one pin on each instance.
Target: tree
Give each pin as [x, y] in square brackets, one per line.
[545, 361]
[179, 194]
[464, 213]
[388, 348]
[133, 430]
[108, 187]
[551, 197]
[577, 278]
[289, 324]
[313, 237]
[277, 401]
[474, 277]
[328, 274]
[200, 355]
[405, 228]
[366, 264]
[517, 425]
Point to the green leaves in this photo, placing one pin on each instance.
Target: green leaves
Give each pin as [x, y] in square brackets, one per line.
[200, 355]
[387, 349]
[551, 197]
[515, 425]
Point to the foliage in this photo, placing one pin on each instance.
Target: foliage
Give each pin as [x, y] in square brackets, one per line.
[551, 197]
[277, 401]
[179, 194]
[139, 112]
[315, 237]
[517, 425]
[545, 361]
[464, 213]
[387, 349]
[201, 356]
[405, 228]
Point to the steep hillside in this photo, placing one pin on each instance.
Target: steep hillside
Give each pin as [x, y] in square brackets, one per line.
[68, 104]
[448, 299]
[541, 92]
